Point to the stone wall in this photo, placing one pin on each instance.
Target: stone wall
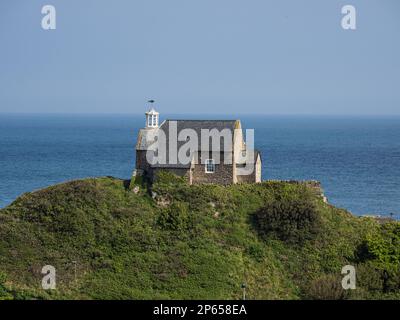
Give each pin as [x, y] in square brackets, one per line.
[141, 161]
[223, 174]
[258, 175]
[251, 178]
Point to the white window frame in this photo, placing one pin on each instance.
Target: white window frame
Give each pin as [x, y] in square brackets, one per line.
[207, 163]
[152, 120]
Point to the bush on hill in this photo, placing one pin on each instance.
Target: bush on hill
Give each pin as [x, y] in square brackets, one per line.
[293, 220]
[202, 242]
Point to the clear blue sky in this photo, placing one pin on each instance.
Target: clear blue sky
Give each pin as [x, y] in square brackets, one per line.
[200, 56]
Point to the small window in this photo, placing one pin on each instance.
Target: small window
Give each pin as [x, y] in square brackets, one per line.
[152, 120]
[210, 166]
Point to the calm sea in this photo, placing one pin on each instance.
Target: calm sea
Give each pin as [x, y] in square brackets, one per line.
[357, 159]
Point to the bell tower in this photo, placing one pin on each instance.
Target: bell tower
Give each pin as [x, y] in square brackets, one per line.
[152, 117]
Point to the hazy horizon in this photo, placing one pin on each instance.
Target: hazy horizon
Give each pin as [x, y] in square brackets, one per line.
[211, 57]
[210, 114]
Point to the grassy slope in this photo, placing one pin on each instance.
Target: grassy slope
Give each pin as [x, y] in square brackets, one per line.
[126, 246]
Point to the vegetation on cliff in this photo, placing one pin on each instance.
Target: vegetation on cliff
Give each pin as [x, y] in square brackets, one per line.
[109, 240]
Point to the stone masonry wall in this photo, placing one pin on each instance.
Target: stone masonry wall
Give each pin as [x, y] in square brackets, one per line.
[223, 174]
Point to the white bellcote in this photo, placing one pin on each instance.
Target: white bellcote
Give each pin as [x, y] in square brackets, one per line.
[152, 118]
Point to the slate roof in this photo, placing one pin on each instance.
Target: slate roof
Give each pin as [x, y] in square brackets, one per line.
[146, 136]
[197, 126]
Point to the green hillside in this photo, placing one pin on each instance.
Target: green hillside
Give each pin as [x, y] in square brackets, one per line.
[110, 240]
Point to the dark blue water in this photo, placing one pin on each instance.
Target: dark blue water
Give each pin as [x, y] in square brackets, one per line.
[357, 159]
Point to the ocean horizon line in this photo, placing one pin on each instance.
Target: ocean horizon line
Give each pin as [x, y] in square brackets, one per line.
[316, 115]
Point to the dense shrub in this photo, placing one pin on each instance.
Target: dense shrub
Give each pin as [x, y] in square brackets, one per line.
[168, 185]
[256, 251]
[166, 178]
[327, 287]
[137, 181]
[189, 242]
[175, 217]
[4, 292]
[369, 277]
[291, 220]
[381, 252]
[384, 247]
